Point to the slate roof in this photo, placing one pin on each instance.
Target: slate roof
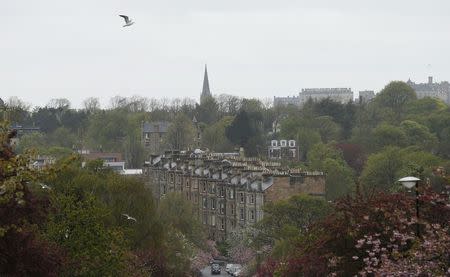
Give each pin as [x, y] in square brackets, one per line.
[155, 127]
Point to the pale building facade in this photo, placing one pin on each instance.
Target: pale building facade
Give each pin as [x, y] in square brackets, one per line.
[432, 89]
[283, 150]
[366, 96]
[341, 95]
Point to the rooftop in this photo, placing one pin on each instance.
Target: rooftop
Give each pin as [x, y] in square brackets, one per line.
[155, 127]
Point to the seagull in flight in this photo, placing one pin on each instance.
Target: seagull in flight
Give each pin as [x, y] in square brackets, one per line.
[128, 21]
[44, 186]
[129, 217]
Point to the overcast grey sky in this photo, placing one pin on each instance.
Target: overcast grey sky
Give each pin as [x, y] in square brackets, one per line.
[255, 48]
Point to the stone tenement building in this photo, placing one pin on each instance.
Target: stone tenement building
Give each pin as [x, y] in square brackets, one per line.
[227, 191]
[341, 95]
[431, 89]
[152, 135]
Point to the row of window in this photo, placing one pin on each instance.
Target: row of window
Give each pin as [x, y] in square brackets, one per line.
[211, 219]
[241, 195]
[283, 143]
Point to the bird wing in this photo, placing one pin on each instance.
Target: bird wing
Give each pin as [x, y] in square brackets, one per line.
[125, 17]
[125, 215]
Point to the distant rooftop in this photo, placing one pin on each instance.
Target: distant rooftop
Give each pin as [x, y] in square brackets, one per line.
[326, 90]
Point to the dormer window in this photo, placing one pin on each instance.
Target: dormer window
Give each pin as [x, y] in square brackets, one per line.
[292, 143]
[274, 143]
[283, 143]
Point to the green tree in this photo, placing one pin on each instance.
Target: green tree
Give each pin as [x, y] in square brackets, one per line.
[23, 251]
[425, 106]
[62, 137]
[107, 130]
[207, 111]
[78, 226]
[340, 177]
[396, 96]
[284, 221]
[35, 140]
[340, 180]
[382, 169]
[444, 145]
[388, 135]
[184, 234]
[181, 133]
[213, 137]
[240, 130]
[327, 128]
[306, 140]
[320, 152]
[418, 134]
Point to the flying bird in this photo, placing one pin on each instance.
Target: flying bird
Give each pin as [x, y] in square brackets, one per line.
[129, 217]
[44, 186]
[128, 21]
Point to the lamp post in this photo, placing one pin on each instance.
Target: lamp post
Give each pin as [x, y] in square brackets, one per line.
[410, 182]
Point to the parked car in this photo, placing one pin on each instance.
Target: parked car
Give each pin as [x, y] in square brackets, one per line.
[215, 268]
[235, 270]
[228, 267]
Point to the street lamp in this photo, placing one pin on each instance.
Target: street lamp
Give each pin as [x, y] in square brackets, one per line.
[410, 182]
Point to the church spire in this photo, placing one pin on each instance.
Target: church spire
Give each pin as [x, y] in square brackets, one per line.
[205, 91]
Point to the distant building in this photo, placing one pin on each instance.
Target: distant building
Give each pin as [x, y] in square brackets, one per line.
[131, 172]
[21, 131]
[104, 156]
[286, 101]
[41, 162]
[341, 95]
[366, 96]
[431, 89]
[111, 160]
[283, 150]
[206, 93]
[152, 135]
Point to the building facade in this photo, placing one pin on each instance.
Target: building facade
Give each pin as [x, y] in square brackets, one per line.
[283, 150]
[286, 101]
[152, 136]
[432, 89]
[341, 95]
[366, 96]
[227, 191]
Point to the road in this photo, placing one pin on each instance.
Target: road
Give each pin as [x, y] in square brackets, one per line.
[207, 272]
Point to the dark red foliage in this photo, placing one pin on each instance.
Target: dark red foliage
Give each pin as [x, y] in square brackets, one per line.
[267, 269]
[22, 251]
[331, 244]
[353, 155]
[24, 254]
